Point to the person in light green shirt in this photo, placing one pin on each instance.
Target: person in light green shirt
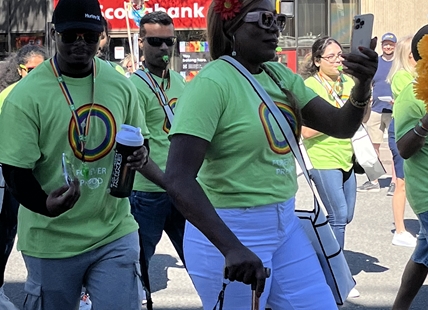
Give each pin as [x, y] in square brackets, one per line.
[402, 73]
[150, 204]
[18, 66]
[5, 93]
[65, 114]
[15, 68]
[331, 158]
[231, 172]
[411, 130]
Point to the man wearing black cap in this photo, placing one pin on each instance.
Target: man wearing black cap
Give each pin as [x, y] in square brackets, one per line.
[381, 113]
[411, 127]
[59, 126]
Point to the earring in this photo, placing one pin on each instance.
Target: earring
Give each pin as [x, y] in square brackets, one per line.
[233, 47]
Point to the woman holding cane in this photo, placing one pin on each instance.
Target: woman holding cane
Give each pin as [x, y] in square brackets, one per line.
[231, 173]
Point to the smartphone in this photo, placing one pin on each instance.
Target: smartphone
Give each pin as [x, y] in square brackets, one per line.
[362, 28]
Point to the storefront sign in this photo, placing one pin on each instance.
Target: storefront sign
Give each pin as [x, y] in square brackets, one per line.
[187, 14]
[193, 60]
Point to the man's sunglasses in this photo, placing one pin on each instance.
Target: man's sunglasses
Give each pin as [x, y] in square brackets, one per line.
[26, 69]
[266, 19]
[157, 41]
[69, 37]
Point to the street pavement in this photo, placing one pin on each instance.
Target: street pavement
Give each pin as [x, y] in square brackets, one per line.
[375, 263]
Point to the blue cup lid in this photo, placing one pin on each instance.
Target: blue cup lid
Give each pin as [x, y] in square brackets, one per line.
[130, 136]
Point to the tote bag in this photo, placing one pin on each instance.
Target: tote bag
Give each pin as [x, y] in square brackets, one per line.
[365, 154]
[317, 228]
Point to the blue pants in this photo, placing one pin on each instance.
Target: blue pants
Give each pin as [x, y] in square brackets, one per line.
[338, 191]
[8, 226]
[155, 213]
[396, 157]
[111, 275]
[275, 235]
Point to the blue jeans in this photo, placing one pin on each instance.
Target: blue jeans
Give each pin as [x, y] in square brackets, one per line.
[396, 157]
[338, 192]
[155, 213]
[282, 245]
[8, 226]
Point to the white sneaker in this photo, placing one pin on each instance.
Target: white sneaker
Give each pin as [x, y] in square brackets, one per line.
[354, 293]
[404, 239]
[144, 297]
[85, 302]
[5, 303]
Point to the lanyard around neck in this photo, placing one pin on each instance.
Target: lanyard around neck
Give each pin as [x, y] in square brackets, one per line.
[81, 126]
[158, 88]
[332, 89]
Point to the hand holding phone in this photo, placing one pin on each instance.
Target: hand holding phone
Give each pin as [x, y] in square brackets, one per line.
[362, 29]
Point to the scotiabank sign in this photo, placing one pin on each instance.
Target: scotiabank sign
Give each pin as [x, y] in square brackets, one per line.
[185, 13]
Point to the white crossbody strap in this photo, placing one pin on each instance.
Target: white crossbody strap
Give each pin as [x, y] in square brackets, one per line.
[276, 113]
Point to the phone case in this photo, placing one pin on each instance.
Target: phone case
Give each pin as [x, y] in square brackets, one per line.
[362, 29]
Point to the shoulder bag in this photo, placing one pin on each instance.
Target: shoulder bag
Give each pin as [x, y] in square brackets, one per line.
[366, 159]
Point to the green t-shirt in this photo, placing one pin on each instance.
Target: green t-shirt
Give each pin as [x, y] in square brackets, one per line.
[400, 80]
[326, 152]
[157, 122]
[37, 126]
[408, 111]
[248, 161]
[5, 93]
[117, 67]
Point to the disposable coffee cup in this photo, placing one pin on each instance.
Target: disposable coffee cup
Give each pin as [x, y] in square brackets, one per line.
[128, 140]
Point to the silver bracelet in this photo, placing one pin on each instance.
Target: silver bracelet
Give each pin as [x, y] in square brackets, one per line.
[418, 134]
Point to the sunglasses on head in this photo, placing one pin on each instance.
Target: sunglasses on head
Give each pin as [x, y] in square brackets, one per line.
[89, 37]
[157, 41]
[266, 19]
[26, 69]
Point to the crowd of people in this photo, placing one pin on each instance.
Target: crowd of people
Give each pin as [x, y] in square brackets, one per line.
[212, 174]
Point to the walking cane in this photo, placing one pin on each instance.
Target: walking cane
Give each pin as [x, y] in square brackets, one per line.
[255, 301]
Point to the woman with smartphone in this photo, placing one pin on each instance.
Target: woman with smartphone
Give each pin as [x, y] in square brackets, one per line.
[332, 158]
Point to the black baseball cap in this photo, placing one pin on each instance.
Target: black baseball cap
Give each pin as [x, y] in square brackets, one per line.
[77, 14]
[418, 36]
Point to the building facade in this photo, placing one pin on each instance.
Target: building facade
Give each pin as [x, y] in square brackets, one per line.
[315, 18]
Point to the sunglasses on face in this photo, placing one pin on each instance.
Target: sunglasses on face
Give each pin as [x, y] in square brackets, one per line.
[26, 69]
[157, 41]
[266, 19]
[71, 37]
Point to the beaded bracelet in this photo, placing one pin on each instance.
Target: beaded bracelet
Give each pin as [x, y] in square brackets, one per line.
[418, 134]
[359, 104]
[422, 126]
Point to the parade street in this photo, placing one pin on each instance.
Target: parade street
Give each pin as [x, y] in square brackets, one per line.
[375, 263]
